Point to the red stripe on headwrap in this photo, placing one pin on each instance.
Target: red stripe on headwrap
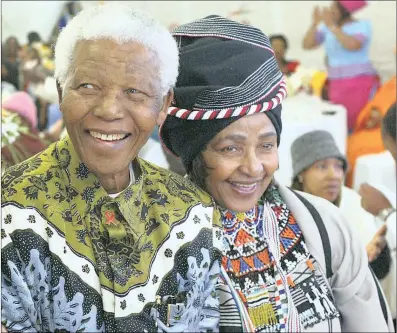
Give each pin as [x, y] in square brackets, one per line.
[228, 113]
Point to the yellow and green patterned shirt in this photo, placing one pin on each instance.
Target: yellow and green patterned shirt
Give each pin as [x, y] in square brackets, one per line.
[74, 259]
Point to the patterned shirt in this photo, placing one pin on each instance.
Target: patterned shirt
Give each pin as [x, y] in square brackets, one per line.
[250, 268]
[74, 259]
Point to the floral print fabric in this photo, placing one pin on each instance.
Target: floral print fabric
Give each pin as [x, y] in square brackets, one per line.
[75, 259]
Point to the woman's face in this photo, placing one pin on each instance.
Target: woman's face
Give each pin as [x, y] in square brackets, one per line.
[324, 178]
[241, 162]
[335, 11]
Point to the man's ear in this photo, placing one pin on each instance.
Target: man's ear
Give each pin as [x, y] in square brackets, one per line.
[59, 89]
[167, 99]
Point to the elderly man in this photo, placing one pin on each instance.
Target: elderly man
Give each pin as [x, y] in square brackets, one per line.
[94, 238]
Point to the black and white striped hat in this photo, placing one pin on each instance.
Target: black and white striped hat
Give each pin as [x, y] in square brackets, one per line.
[227, 70]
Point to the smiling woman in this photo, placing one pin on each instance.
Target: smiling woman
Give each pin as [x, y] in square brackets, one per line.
[243, 158]
[225, 124]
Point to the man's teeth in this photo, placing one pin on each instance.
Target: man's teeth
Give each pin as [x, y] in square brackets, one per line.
[108, 137]
[244, 185]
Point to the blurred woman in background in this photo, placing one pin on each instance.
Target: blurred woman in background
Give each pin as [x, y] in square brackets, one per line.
[352, 78]
[367, 134]
[10, 61]
[319, 169]
[279, 45]
[28, 143]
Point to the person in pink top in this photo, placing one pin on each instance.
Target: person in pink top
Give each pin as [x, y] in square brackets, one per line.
[352, 78]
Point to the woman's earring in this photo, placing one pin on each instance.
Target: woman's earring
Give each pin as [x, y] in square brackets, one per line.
[300, 179]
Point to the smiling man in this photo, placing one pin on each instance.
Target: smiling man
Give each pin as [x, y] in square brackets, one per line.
[94, 238]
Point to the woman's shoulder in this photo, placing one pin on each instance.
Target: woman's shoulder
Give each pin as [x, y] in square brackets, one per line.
[338, 230]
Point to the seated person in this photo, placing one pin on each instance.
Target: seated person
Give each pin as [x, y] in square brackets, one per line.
[366, 137]
[27, 144]
[319, 169]
[279, 45]
[383, 206]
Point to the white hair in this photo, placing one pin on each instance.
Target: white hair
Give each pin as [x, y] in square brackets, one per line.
[122, 24]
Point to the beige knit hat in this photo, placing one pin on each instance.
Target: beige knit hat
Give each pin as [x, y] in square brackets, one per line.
[312, 147]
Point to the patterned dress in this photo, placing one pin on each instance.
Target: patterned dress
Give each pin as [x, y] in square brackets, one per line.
[250, 267]
[73, 259]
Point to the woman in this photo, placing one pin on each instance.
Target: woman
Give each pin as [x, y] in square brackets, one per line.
[352, 78]
[225, 125]
[10, 61]
[319, 169]
[27, 144]
[279, 45]
[367, 137]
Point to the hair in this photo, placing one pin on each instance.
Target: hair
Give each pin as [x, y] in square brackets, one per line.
[199, 171]
[122, 24]
[280, 37]
[5, 45]
[389, 122]
[344, 14]
[33, 37]
[298, 186]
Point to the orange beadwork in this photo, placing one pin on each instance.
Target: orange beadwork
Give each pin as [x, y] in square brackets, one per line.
[310, 264]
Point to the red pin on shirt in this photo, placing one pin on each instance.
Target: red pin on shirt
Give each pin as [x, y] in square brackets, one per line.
[110, 218]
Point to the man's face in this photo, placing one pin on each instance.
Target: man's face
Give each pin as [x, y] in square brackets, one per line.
[111, 103]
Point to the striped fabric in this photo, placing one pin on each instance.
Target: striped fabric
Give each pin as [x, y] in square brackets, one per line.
[349, 71]
[231, 112]
[289, 317]
[253, 94]
[218, 26]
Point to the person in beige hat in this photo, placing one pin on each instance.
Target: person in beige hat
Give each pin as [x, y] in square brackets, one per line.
[319, 168]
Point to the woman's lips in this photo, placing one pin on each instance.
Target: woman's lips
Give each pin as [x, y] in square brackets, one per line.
[244, 189]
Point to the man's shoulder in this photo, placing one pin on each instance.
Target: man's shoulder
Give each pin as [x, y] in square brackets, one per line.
[176, 184]
[19, 182]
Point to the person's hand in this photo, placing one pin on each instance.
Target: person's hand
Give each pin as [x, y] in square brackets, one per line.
[3, 329]
[327, 17]
[377, 244]
[372, 200]
[317, 16]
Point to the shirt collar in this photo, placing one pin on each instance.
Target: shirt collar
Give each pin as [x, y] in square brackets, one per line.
[82, 186]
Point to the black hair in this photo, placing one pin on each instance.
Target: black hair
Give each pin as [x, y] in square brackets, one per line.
[71, 8]
[6, 47]
[280, 37]
[389, 122]
[344, 14]
[33, 37]
[199, 171]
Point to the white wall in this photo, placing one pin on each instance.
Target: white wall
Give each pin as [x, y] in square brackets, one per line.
[21, 17]
[291, 18]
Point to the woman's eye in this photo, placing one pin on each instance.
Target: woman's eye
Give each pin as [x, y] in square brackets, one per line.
[339, 166]
[229, 149]
[268, 146]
